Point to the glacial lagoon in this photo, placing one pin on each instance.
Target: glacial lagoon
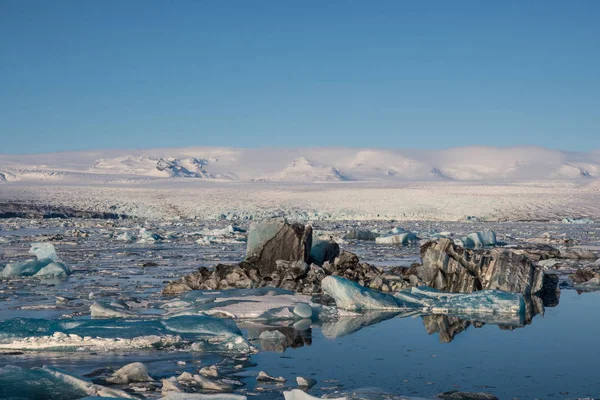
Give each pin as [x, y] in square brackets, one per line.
[377, 354]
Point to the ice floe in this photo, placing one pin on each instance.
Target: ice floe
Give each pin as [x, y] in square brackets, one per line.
[45, 266]
[199, 333]
[20, 383]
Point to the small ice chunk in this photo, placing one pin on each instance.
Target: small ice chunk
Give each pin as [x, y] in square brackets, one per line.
[297, 394]
[125, 237]
[480, 239]
[134, 372]
[264, 377]
[305, 383]
[171, 385]
[99, 310]
[402, 238]
[361, 234]
[211, 371]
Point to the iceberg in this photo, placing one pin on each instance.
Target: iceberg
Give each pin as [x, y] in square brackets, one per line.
[351, 296]
[480, 239]
[46, 265]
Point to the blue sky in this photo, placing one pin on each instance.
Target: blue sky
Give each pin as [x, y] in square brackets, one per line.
[408, 74]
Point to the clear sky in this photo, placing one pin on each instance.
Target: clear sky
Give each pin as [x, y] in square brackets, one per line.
[88, 74]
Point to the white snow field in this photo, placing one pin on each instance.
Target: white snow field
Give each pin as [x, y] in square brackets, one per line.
[518, 183]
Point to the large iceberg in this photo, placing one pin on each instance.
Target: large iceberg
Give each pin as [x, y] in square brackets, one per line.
[351, 296]
[45, 266]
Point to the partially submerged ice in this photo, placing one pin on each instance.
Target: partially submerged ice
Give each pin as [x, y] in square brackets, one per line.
[45, 266]
[351, 296]
[480, 239]
[197, 332]
[262, 304]
[37, 383]
[401, 238]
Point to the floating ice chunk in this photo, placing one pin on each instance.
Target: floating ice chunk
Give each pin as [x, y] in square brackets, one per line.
[306, 383]
[149, 237]
[45, 266]
[134, 372]
[171, 385]
[265, 304]
[264, 377]
[24, 268]
[100, 310]
[397, 230]
[16, 382]
[126, 237]
[54, 269]
[204, 241]
[351, 296]
[480, 239]
[200, 333]
[297, 394]
[569, 220]
[402, 238]
[361, 234]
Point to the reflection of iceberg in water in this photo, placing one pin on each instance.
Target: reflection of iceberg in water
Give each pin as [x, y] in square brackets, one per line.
[448, 326]
[350, 324]
[446, 313]
[278, 338]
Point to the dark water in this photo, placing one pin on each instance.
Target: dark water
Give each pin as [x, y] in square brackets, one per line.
[555, 357]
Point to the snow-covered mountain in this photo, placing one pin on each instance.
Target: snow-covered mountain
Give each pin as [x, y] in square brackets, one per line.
[305, 165]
